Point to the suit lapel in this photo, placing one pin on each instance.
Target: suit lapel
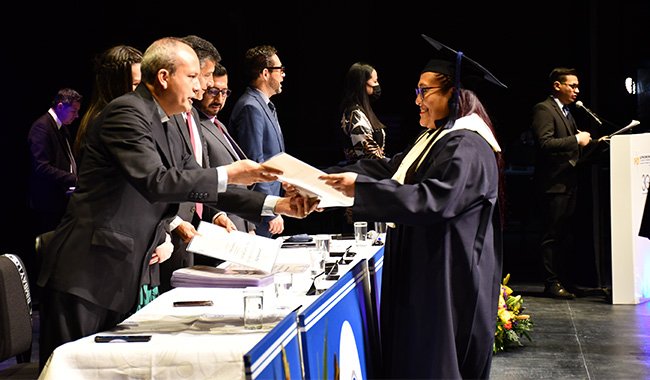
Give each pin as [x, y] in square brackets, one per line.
[204, 150]
[158, 128]
[161, 136]
[212, 129]
[61, 138]
[181, 124]
[569, 126]
[269, 114]
[231, 143]
[184, 131]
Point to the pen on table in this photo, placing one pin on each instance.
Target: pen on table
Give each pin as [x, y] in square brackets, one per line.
[296, 309]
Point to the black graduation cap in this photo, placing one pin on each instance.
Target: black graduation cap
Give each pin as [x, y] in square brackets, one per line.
[463, 69]
[450, 62]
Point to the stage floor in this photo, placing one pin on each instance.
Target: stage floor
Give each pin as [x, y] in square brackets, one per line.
[584, 338]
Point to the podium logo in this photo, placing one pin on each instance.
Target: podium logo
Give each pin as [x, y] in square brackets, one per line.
[642, 159]
[350, 362]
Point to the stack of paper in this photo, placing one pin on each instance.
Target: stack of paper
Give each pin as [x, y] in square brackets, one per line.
[200, 276]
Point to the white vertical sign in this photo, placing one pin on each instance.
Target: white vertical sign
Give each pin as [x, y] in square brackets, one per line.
[630, 180]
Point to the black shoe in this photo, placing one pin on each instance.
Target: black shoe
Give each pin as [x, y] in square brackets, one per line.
[556, 290]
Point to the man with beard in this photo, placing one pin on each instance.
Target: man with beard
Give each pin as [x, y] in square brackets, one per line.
[254, 122]
[221, 147]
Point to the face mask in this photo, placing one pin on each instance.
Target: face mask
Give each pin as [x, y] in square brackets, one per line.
[376, 93]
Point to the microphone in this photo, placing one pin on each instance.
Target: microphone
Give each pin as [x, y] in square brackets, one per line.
[579, 104]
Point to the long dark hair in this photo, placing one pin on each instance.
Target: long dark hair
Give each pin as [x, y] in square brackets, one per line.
[113, 78]
[355, 94]
[469, 103]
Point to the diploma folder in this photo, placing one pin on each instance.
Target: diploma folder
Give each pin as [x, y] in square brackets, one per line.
[305, 178]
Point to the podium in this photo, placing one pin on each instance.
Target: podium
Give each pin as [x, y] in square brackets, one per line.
[630, 180]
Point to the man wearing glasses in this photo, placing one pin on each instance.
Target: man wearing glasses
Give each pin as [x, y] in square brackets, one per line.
[221, 147]
[560, 145]
[254, 122]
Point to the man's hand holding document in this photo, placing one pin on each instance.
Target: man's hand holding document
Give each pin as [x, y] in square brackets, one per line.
[305, 178]
[238, 247]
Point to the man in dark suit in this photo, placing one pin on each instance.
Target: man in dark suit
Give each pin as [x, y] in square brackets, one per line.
[135, 171]
[189, 215]
[254, 122]
[53, 169]
[221, 147]
[560, 146]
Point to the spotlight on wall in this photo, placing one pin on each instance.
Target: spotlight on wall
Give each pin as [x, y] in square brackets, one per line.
[630, 85]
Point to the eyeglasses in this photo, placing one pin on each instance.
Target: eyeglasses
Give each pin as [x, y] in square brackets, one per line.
[214, 91]
[271, 68]
[420, 91]
[574, 86]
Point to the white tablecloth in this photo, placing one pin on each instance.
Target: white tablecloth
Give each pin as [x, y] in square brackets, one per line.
[200, 342]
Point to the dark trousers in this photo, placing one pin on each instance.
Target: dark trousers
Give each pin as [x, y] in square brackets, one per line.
[556, 210]
[65, 318]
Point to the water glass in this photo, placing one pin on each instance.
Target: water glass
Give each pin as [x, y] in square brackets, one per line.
[253, 308]
[316, 261]
[361, 233]
[283, 284]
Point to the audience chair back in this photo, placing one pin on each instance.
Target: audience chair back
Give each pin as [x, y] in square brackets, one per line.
[15, 308]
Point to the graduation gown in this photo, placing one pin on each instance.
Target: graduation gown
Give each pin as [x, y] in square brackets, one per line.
[442, 266]
[644, 229]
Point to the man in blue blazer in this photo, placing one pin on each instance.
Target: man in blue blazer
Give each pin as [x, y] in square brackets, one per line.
[254, 122]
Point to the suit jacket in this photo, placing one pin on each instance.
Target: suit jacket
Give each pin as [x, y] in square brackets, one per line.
[133, 173]
[50, 175]
[557, 148]
[223, 150]
[257, 131]
[187, 210]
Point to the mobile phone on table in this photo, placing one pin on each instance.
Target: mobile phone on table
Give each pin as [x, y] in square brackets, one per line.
[193, 303]
[125, 338]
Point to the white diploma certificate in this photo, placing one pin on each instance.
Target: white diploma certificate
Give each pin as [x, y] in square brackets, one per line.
[305, 178]
[237, 247]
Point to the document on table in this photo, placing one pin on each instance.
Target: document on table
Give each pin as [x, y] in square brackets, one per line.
[305, 177]
[238, 247]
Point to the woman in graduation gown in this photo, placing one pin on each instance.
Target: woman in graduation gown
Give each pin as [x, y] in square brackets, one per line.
[442, 265]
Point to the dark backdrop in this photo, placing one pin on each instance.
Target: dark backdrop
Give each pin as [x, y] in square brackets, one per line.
[51, 46]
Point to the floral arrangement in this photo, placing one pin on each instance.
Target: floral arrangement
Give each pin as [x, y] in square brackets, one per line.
[511, 324]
